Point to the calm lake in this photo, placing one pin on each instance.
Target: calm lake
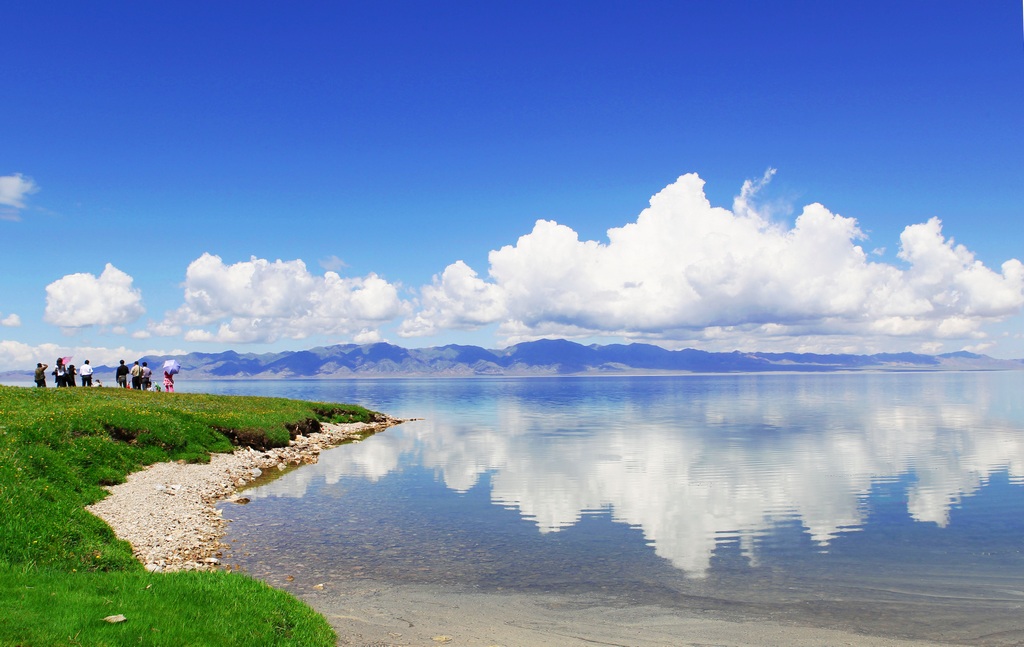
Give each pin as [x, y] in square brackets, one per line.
[886, 504]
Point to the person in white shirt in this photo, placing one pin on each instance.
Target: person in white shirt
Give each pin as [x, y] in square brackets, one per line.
[86, 372]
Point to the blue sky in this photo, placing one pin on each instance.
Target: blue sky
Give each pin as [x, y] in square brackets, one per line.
[203, 176]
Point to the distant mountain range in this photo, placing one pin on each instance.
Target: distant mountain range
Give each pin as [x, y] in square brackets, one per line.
[544, 357]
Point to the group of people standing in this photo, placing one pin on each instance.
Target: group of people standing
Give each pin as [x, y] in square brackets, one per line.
[64, 374]
[141, 376]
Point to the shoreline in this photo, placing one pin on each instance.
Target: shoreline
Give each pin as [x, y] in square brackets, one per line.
[168, 513]
[367, 613]
[24, 378]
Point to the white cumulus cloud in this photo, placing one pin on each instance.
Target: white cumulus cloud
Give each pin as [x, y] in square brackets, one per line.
[79, 300]
[686, 272]
[11, 321]
[367, 336]
[263, 301]
[14, 189]
[457, 298]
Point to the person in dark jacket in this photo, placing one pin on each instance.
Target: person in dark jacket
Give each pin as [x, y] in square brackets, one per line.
[60, 373]
[122, 375]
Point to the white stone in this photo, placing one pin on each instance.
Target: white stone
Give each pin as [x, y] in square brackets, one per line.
[163, 530]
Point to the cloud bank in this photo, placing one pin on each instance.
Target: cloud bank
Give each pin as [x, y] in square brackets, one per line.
[688, 273]
[683, 274]
[263, 301]
[16, 355]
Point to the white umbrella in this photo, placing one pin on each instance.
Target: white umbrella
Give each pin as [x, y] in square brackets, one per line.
[172, 366]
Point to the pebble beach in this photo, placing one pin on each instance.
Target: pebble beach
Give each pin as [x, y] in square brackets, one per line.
[168, 513]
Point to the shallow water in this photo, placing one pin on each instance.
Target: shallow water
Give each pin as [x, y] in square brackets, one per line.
[886, 504]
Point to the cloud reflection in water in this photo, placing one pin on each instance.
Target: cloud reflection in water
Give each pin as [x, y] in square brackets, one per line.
[700, 462]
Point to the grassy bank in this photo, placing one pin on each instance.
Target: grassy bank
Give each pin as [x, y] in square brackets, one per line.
[62, 570]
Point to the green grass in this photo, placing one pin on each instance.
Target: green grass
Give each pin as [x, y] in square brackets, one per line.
[45, 607]
[62, 570]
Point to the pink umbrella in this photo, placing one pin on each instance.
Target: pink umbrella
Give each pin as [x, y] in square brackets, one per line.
[66, 360]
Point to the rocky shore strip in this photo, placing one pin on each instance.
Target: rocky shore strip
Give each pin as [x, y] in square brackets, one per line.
[167, 512]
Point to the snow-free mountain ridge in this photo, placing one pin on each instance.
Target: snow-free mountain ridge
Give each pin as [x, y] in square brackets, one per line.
[536, 358]
[545, 357]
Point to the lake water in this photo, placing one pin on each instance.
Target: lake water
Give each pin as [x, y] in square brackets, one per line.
[885, 504]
